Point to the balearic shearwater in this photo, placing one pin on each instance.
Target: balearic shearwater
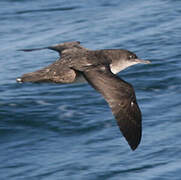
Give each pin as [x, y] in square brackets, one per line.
[98, 67]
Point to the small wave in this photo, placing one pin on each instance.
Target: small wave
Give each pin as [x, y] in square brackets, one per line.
[66, 112]
[62, 107]
[41, 102]
[69, 113]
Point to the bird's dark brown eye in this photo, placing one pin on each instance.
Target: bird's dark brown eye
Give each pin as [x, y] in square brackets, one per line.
[132, 57]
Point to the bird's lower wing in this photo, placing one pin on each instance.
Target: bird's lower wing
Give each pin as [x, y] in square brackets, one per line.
[121, 99]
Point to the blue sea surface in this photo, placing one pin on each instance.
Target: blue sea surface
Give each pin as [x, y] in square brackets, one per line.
[67, 132]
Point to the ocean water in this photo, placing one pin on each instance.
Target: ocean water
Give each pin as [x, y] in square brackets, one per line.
[67, 132]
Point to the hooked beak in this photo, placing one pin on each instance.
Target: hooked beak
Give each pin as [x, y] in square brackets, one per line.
[142, 61]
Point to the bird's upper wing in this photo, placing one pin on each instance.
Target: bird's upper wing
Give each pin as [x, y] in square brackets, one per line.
[57, 72]
[59, 47]
[121, 99]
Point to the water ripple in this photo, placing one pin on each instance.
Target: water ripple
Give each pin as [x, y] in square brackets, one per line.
[48, 131]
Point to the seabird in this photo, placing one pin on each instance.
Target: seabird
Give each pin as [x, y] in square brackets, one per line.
[99, 69]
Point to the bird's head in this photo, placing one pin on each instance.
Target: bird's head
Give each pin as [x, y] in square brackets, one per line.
[123, 59]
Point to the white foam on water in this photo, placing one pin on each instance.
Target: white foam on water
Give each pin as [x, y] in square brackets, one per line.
[41, 102]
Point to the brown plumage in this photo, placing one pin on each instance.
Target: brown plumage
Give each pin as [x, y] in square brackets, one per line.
[98, 68]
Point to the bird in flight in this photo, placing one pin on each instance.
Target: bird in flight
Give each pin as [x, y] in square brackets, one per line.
[99, 69]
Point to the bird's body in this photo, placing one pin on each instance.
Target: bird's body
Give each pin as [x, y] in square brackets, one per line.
[98, 68]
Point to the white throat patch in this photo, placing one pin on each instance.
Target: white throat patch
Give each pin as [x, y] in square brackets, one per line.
[119, 67]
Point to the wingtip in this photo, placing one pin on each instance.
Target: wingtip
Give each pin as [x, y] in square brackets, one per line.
[134, 144]
[34, 49]
[24, 50]
[134, 147]
[133, 139]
